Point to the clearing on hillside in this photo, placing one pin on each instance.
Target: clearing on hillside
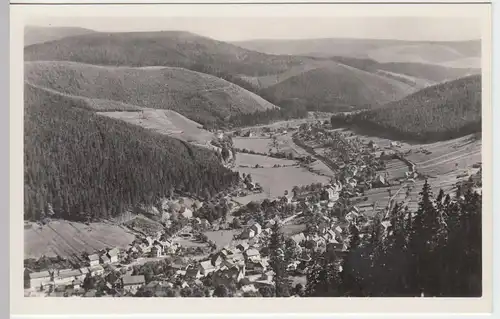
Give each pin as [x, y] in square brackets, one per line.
[67, 239]
[165, 122]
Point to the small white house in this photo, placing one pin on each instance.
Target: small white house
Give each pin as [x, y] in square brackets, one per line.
[156, 251]
[256, 228]
[113, 255]
[248, 233]
[206, 267]
[38, 279]
[187, 213]
[93, 260]
[66, 276]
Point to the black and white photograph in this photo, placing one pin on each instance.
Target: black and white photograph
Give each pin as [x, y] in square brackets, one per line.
[268, 157]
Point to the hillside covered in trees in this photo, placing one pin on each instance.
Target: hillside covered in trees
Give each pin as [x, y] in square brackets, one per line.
[435, 251]
[440, 112]
[38, 34]
[431, 73]
[201, 97]
[339, 88]
[88, 166]
[164, 48]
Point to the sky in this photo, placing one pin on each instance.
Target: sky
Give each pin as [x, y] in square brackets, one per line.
[242, 28]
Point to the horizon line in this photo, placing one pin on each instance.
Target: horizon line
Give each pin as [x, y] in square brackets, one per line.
[254, 39]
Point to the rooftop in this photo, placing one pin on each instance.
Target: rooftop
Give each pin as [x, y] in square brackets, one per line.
[65, 273]
[113, 252]
[41, 274]
[133, 280]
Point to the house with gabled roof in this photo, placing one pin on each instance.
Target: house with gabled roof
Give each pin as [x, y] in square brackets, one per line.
[66, 276]
[156, 251]
[132, 283]
[93, 259]
[105, 259]
[38, 279]
[298, 238]
[248, 233]
[257, 228]
[113, 255]
[193, 272]
[206, 267]
[96, 270]
[83, 273]
[77, 284]
[242, 246]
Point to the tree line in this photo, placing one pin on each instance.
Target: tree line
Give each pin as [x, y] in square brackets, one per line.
[441, 112]
[432, 252]
[289, 108]
[82, 166]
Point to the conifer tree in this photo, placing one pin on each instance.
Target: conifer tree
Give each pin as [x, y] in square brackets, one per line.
[277, 260]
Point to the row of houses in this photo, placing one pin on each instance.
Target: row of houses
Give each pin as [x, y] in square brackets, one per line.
[44, 280]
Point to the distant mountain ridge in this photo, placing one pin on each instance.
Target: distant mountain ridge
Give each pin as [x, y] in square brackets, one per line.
[38, 34]
[163, 48]
[341, 83]
[427, 52]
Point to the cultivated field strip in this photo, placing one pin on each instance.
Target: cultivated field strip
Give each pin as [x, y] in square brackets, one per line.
[68, 239]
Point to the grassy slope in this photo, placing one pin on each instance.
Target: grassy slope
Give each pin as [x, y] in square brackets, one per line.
[83, 162]
[198, 96]
[439, 112]
[166, 122]
[166, 48]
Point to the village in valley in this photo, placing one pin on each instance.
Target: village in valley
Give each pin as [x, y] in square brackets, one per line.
[225, 245]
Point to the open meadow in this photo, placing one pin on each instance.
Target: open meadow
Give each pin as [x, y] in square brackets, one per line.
[250, 160]
[275, 181]
[67, 239]
[165, 122]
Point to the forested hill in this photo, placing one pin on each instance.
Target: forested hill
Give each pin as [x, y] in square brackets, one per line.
[87, 165]
[439, 112]
[37, 34]
[198, 96]
[165, 48]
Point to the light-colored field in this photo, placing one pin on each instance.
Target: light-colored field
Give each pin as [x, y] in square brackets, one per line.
[66, 239]
[251, 160]
[275, 181]
[445, 162]
[395, 169]
[251, 198]
[312, 118]
[256, 144]
[381, 196]
[464, 151]
[418, 82]
[165, 122]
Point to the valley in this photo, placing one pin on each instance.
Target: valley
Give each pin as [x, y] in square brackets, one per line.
[186, 164]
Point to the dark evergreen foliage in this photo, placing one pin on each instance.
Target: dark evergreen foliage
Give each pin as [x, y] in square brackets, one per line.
[434, 252]
[440, 112]
[89, 166]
